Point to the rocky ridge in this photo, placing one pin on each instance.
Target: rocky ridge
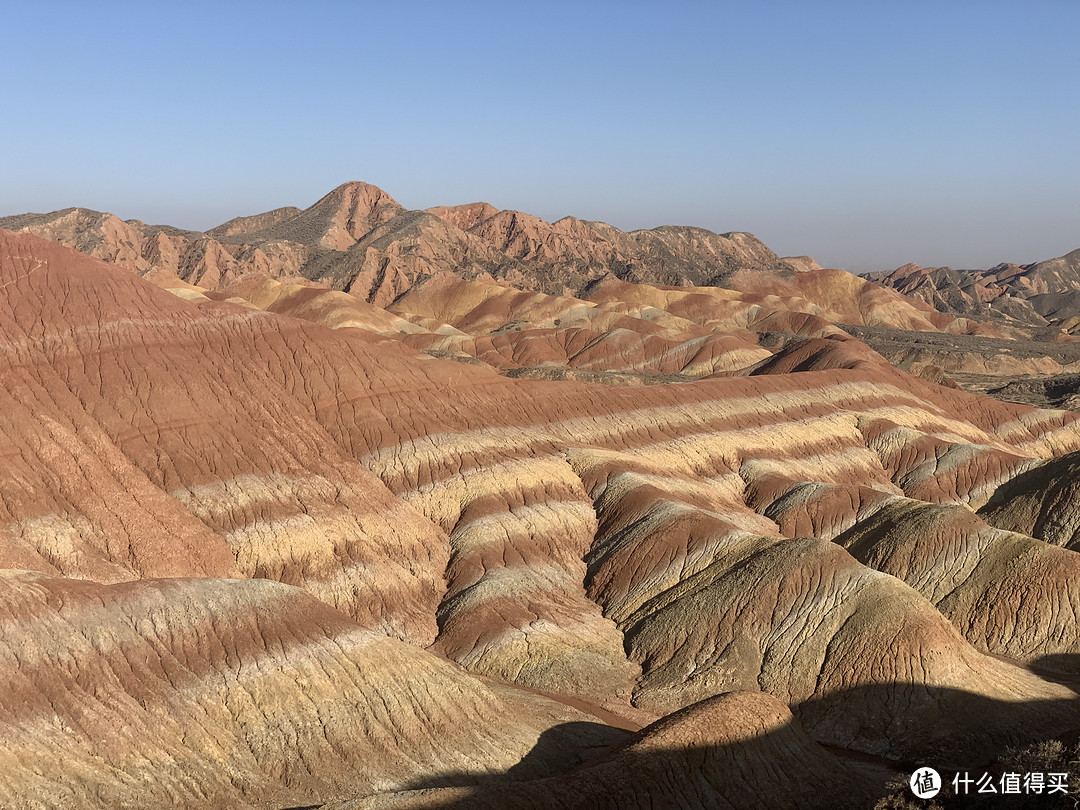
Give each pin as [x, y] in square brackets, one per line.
[358, 239]
[1042, 297]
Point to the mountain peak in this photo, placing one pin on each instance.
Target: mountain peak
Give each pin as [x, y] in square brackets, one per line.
[343, 217]
[359, 190]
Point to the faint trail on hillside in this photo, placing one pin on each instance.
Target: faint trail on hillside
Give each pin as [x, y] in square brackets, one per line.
[40, 263]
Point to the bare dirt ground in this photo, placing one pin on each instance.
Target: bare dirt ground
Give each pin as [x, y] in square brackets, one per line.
[982, 365]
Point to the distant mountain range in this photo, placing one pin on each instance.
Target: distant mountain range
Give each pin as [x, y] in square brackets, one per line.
[359, 239]
[1044, 296]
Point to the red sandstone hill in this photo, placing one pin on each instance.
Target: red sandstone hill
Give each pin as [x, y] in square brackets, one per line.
[273, 545]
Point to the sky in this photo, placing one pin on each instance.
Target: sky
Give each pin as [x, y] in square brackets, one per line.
[866, 134]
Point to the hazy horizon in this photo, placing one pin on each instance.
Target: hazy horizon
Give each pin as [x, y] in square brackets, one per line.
[866, 137]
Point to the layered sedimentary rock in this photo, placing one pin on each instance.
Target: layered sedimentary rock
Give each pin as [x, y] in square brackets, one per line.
[141, 445]
[510, 329]
[1008, 593]
[234, 693]
[702, 442]
[481, 578]
[1044, 501]
[709, 603]
[806, 305]
[311, 302]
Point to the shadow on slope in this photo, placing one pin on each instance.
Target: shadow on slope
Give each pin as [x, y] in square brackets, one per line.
[1063, 668]
[745, 750]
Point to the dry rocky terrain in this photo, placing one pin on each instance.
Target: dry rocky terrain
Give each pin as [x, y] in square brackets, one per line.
[358, 507]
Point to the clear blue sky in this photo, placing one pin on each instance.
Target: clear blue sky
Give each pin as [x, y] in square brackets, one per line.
[865, 134]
